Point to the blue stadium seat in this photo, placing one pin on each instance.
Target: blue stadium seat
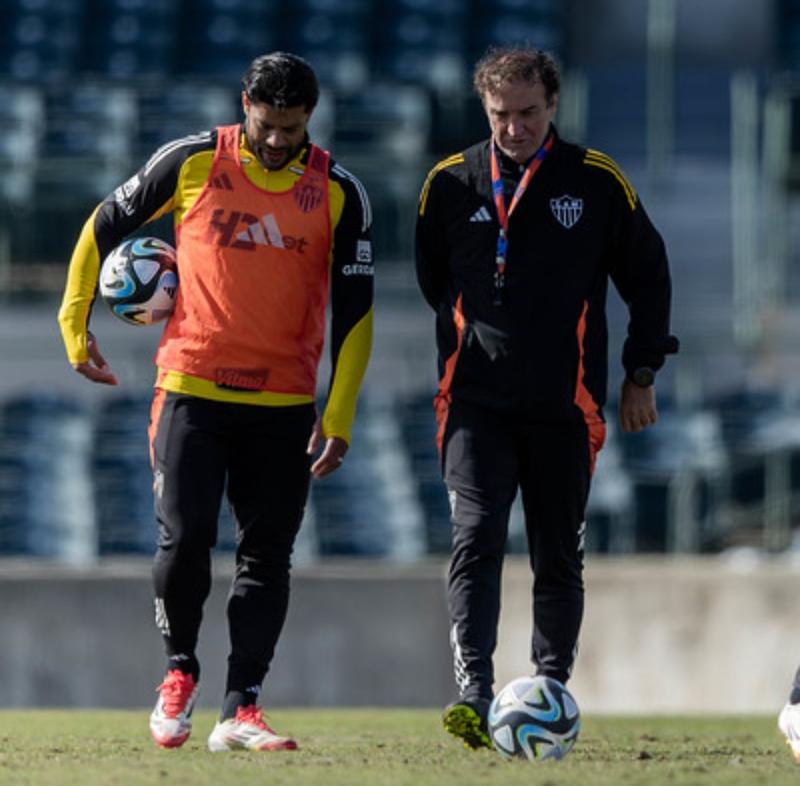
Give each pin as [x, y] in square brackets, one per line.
[334, 36]
[762, 435]
[218, 39]
[349, 511]
[389, 119]
[13, 501]
[369, 508]
[744, 415]
[187, 107]
[609, 512]
[123, 481]
[46, 506]
[418, 426]
[40, 40]
[539, 23]
[422, 42]
[676, 467]
[88, 140]
[383, 134]
[129, 39]
[22, 114]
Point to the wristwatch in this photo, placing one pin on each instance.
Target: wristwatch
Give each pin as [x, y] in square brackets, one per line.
[643, 377]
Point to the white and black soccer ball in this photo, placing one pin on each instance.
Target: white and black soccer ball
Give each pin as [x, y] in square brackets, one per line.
[139, 280]
[534, 718]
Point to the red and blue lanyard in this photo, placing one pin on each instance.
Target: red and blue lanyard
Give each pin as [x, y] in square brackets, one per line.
[503, 215]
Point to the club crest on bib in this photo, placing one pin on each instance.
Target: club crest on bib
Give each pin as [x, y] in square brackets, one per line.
[308, 197]
[567, 210]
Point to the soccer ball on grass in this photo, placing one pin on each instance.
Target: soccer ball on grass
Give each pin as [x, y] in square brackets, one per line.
[534, 718]
[139, 280]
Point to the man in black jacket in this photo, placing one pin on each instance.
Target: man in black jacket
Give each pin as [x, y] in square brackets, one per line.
[517, 237]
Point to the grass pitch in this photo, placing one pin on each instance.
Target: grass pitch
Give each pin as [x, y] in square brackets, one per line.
[387, 748]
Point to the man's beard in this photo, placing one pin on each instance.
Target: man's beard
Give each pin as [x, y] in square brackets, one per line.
[279, 159]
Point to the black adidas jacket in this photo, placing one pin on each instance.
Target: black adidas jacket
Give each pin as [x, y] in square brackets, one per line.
[579, 223]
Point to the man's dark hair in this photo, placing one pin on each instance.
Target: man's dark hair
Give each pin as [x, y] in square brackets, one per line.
[504, 65]
[281, 80]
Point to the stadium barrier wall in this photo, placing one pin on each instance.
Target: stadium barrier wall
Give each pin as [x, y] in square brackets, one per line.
[674, 635]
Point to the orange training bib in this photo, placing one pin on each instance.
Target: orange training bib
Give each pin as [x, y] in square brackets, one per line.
[253, 268]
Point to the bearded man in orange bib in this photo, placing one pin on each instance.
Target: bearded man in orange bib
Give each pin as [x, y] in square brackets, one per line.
[268, 228]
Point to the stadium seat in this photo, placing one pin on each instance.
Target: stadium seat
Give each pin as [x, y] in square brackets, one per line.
[539, 23]
[418, 427]
[22, 115]
[421, 42]
[333, 35]
[744, 416]
[678, 469]
[46, 505]
[217, 39]
[123, 481]
[610, 508]
[13, 501]
[762, 435]
[40, 40]
[382, 136]
[347, 515]
[173, 111]
[88, 141]
[389, 119]
[369, 509]
[129, 39]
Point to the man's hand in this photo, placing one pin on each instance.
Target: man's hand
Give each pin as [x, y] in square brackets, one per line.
[637, 407]
[332, 455]
[96, 369]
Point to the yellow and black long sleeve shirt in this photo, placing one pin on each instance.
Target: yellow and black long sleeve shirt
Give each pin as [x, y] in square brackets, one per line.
[171, 182]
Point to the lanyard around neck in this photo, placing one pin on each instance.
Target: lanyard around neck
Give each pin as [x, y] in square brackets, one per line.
[503, 215]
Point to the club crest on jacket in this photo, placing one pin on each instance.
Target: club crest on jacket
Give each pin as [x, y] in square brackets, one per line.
[567, 210]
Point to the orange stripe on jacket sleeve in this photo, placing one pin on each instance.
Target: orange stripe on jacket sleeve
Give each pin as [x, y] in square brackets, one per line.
[583, 398]
[441, 403]
[155, 415]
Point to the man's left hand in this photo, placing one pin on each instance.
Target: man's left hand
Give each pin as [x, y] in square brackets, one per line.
[332, 454]
[637, 407]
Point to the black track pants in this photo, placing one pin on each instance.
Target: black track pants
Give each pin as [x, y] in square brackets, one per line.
[487, 456]
[198, 448]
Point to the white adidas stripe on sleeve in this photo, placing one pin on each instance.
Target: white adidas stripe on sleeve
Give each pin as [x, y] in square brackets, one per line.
[169, 147]
[366, 208]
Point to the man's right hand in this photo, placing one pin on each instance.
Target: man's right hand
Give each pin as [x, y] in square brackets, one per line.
[95, 368]
[637, 407]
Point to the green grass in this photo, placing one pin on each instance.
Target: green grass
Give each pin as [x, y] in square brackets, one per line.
[388, 748]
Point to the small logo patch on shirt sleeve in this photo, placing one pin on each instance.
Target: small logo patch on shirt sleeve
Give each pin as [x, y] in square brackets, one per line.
[364, 251]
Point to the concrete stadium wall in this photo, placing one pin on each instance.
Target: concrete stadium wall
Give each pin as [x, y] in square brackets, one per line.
[674, 635]
[659, 636]
[355, 635]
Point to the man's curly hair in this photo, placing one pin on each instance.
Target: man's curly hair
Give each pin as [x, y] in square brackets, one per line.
[281, 80]
[504, 65]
